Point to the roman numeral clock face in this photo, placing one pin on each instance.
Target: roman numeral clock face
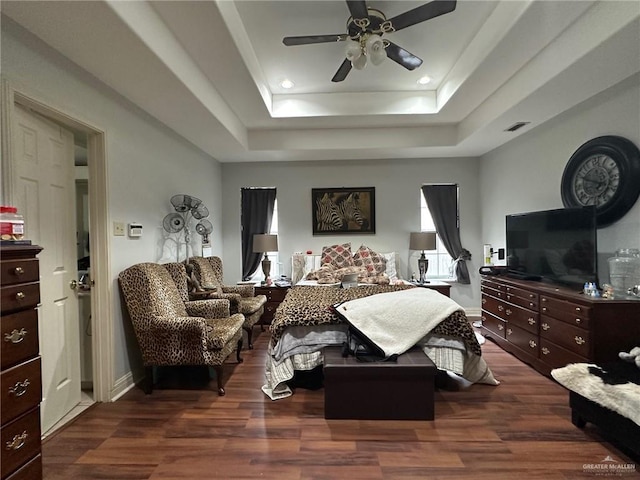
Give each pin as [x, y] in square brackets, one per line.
[603, 173]
[596, 181]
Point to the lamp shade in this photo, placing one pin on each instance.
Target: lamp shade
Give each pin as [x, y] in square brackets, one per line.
[265, 243]
[422, 241]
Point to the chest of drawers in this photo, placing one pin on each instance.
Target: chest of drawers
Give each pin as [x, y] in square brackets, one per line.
[20, 377]
[549, 326]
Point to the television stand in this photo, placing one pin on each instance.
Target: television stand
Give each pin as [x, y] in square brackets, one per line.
[549, 326]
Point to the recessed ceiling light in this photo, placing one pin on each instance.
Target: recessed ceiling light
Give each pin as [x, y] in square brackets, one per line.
[286, 83]
[424, 80]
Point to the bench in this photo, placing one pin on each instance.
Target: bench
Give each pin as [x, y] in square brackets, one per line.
[400, 390]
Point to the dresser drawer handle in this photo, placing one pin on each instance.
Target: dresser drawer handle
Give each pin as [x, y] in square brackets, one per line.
[500, 326]
[544, 309]
[545, 351]
[531, 295]
[509, 331]
[484, 300]
[545, 326]
[531, 321]
[508, 297]
[531, 305]
[17, 442]
[15, 336]
[578, 309]
[532, 344]
[579, 340]
[508, 311]
[500, 308]
[20, 296]
[544, 300]
[20, 388]
[483, 318]
[578, 320]
[18, 271]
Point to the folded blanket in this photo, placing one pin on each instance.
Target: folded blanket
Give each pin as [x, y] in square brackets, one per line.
[396, 321]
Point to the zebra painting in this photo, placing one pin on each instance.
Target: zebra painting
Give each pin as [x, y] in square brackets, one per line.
[327, 215]
[349, 210]
[344, 210]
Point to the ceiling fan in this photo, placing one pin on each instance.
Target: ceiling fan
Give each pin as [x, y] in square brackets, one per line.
[365, 28]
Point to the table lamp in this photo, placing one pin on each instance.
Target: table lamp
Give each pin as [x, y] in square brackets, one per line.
[422, 241]
[263, 243]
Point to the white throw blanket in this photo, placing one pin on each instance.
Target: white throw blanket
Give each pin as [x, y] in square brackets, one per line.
[396, 321]
[623, 398]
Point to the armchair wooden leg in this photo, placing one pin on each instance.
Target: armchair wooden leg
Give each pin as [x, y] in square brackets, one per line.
[238, 357]
[218, 370]
[249, 335]
[147, 383]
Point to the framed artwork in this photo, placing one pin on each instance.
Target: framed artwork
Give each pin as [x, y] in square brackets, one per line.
[343, 210]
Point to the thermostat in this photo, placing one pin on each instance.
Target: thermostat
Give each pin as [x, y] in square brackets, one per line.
[135, 230]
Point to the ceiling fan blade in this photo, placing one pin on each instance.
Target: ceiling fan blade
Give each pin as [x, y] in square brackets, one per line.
[401, 56]
[308, 39]
[422, 13]
[342, 72]
[358, 8]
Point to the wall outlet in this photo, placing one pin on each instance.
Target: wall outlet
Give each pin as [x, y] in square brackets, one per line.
[118, 229]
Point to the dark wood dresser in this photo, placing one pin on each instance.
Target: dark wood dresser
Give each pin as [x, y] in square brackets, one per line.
[20, 378]
[548, 326]
[275, 296]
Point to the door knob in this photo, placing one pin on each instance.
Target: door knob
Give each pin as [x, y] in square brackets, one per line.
[73, 284]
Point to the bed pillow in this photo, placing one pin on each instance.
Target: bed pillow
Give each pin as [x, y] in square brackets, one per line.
[337, 255]
[391, 269]
[374, 262]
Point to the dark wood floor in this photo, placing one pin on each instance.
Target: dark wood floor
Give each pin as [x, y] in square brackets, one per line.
[520, 429]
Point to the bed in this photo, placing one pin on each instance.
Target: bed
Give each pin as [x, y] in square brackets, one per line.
[304, 324]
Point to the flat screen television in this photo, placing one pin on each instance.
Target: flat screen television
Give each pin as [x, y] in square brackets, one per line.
[557, 246]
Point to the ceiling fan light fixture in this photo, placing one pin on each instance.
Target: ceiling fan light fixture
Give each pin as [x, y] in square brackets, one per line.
[359, 63]
[353, 51]
[374, 48]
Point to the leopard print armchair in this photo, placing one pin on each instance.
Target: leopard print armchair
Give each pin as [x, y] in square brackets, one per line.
[168, 332]
[207, 272]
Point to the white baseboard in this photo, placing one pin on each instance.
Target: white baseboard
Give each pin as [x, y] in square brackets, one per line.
[122, 386]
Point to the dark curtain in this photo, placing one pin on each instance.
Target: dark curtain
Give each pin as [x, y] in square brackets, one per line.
[442, 201]
[256, 214]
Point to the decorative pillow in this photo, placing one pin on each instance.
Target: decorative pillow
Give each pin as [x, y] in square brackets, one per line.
[391, 269]
[337, 255]
[374, 262]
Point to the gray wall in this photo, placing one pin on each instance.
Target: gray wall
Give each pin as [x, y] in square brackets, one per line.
[147, 162]
[525, 174]
[397, 183]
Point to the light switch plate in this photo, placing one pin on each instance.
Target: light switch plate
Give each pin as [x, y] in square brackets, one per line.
[118, 229]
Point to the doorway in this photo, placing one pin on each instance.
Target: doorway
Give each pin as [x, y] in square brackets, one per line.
[96, 314]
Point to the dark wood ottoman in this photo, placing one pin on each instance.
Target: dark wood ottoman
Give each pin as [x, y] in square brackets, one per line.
[402, 390]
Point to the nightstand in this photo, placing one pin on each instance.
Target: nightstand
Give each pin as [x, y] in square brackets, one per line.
[274, 295]
[443, 287]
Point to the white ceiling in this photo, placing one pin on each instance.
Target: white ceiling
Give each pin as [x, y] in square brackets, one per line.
[211, 71]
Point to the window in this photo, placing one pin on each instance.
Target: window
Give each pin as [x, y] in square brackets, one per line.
[258, 276]
[439, 260]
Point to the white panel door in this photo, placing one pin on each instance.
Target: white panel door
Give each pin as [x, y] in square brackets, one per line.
[46, 197]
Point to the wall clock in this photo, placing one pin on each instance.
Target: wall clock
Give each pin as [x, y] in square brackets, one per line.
[605, 173]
